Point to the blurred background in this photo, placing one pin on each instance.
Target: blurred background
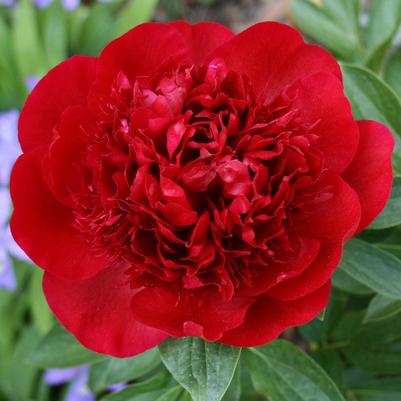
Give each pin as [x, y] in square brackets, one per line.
[39, 361]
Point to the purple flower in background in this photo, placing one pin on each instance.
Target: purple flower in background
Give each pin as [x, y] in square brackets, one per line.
[78, 379]
[7, 3]
[9, 146]
[8, 247]
[69, 5]
[31, 81]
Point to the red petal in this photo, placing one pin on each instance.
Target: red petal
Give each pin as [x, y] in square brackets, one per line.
[43, 227]
[320, 99]
[274, 55]
[139, 52]
[192, 309]
[98, 312]
[65, 85]
[333, 218]
[370, 173]
[203, 38]
[313, 277]
[268, 318]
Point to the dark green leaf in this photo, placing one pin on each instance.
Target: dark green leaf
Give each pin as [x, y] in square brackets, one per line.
[203, 368]
[382, 358]
[283, 372]
[330, 361]
[233, 392]
[373, 267]
[343, 281]
[114, 370]
[372, 99]
[382, 308]
[391, 215]
[151, 390]
[379, 390]
[59, 349]
[392, 72]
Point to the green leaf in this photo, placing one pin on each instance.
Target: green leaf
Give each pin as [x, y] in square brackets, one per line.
[96, 30]
[55, 33]
[29, 53]
[382, 358]
[233, 392]
[343, 281]
[136, 12]
[42, 316]
[332, 23]
[150, 390]
[114, 370]
[282, 372]
[203, 368]
[384, 20]
[382, 308]
[391, 215]
[59, 349]
[384, 389]
[21, 375]
[373, 267]
[392, 72]
[331, 362]
[372, 99]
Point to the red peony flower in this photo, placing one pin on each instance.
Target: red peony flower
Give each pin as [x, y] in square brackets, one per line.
[189, 182]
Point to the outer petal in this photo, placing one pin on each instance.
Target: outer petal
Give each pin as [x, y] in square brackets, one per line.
[370, 173]
[43, 227]
[312, 278]
[274, 55]
[203, 38]
[98, 312]
[321, 102]
[65, 85]
[268, 318]
[193, 313]
[140, 52]
[335, 218]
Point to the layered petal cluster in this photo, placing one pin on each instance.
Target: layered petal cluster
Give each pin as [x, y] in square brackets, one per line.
[190, 182]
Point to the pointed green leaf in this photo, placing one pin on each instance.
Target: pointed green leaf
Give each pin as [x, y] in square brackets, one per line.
[203, 368]
[59, 349]
[372, 99]
[282, 372]
[382, 308]
[392, 72]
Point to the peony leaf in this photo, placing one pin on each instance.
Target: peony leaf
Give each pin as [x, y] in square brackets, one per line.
[55, 32]
[382, 308]
[115, 370]
[392, 72]
[282, 372]
[384, 20]
[376, 358]
[391, 215]
[159, 388]
[383, 389]
[372, 99]
[373, 267]
[332, 23]
[28, 48]
[59, 349]
[203, 368]
[136, 12]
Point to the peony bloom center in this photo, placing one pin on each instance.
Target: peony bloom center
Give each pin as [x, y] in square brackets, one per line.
[187, 178]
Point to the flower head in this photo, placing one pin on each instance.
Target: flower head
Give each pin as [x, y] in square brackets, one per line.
[190, 182]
